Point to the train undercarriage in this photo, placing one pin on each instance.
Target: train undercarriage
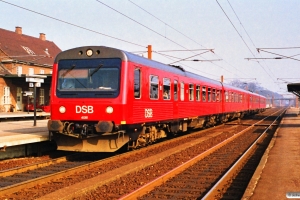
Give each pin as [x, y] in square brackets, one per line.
[105, 136]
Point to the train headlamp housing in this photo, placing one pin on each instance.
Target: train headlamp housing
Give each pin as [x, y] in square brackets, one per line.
[89, 52]
[109, 110]
[62, 109]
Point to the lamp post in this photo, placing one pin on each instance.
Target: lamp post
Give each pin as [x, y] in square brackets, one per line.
[36, 80]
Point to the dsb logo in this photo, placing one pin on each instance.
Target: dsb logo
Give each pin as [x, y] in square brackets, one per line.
[84, 109]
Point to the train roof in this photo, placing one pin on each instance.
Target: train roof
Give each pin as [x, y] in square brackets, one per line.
[169, 68]
[102, 52]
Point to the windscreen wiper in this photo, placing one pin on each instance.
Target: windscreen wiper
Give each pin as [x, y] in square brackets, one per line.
[95, 70]
[68, 70]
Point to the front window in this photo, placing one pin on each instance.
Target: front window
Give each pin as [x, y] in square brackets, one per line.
[89, 78]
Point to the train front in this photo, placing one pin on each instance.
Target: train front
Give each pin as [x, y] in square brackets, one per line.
[87, 104]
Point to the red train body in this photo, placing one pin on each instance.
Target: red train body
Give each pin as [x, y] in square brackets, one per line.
[103, 98]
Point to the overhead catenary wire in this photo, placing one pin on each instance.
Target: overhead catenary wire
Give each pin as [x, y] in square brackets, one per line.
[241, 36]
[188, 38]
[72, 24]
[141, 24]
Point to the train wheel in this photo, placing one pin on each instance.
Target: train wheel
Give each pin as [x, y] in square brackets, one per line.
[70, 128]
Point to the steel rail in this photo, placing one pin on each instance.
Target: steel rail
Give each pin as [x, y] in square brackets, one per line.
[10, 172]
[215, 190]
[31, 183]
[162, 179]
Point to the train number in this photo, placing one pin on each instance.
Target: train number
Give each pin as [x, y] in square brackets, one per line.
[148, 113]
[84, 109]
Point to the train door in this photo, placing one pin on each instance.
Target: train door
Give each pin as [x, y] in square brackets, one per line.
[175, 97]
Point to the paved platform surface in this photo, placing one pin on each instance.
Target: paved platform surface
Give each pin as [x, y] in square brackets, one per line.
[14, 133]
[279, 170]
[8, 115]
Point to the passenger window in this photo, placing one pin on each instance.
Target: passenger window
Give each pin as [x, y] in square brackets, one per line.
[232, 97]
[191, 92]
[182, 91]
[209, 94]
[175, 90]
[218, 95]
[154, 87]
[166, 88]
[137, 83]
[203, 93]
[197, 92]
[213, 95]
[226, 96]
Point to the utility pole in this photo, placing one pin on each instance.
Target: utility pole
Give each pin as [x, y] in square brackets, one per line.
[150, 52]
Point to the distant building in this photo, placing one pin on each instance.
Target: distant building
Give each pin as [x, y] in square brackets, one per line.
[22, 55]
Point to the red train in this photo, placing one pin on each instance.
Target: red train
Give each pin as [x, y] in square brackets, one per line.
[103, 98]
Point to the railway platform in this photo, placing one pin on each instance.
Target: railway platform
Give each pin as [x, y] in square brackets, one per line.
[278, 174]
[17, 132]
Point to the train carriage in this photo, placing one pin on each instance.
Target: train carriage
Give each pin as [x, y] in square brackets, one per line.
[103, 98]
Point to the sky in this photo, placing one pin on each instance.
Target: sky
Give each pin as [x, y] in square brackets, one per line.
[223, 35]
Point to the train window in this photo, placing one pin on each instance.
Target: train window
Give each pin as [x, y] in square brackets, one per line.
[226, 96]
[137, 83]
[154, 87]
[191, 92]
[241, 98]
[166, 88]
[218, 95]
[175, 90]
[203, 93]
[232, 97]
[197, 92]
[209, 94]
[86, 78]
[182, 91]
[213, 95]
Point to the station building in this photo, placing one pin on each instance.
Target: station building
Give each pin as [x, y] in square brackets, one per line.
[20, 56]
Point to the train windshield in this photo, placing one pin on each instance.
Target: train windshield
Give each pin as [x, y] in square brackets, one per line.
[89, 78]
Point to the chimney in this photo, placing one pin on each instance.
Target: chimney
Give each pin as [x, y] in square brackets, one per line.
[18, 30]
[43, 36]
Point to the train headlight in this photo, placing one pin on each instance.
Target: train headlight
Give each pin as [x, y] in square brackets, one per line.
[62, 109]
[109, 110]
[89, 52]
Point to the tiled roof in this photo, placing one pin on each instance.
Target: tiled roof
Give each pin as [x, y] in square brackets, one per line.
[26, 48]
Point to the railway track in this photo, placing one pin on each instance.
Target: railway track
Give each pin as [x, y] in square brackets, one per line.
[115, 177]
[222, 174]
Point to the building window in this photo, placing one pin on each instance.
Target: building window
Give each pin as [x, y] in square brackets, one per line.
[6, 92]
[28, 50]
[42, 71]
[166, 88]
[30, 71]
[19, 70]
[154, 87]
[42, 97]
